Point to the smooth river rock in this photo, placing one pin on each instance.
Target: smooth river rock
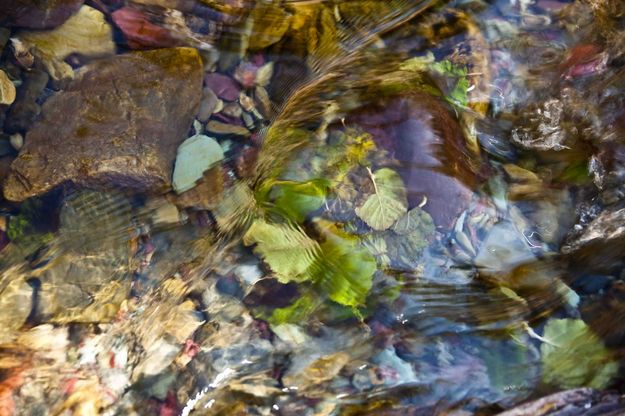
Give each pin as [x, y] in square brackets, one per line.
[37, 14]
[26, 107]
[118, 123]
[427, 140]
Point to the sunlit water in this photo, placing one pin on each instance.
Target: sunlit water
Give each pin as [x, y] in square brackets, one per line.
[425, 219]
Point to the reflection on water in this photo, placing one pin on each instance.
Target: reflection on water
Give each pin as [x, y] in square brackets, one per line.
[311, 207]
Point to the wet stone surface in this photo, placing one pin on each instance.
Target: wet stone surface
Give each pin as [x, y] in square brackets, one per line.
[33, 14]
[216, 207]
[119, 122]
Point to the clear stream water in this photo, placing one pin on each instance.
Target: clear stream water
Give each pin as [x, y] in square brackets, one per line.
[379, 208]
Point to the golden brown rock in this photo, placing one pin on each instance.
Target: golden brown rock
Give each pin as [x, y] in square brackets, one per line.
[225, 11]
[119, 123]
[270, 23]
[7, 89]
[206, 194]
[86, 33]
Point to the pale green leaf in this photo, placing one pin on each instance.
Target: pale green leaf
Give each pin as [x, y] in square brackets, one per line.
[376, 245]
[456, 95]
[388, 202]
[575, 356]
[415, 221]
[345, 269]
[418, 63]
[512, 295]
[285, 248]
[296, 200]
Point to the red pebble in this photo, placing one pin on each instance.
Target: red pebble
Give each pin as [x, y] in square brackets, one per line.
[170, 406]
[246, 74]
[69, 385]
[584, 59]
[140, 33]
[191, 348]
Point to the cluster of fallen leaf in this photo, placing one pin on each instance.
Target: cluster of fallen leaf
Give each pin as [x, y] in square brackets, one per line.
[300, 238]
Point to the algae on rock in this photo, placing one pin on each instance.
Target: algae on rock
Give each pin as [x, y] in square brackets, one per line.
[119, 122]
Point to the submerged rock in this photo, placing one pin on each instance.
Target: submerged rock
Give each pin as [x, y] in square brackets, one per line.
[139, 31]
[222, 85]
[599, 246]
[119, 122]
[7, 89]
[270, 23]
[206, 194]
[224, 129]
[15, 299]
[428, 142]
[37, 14]
[210, 104]
[86, 33]
[26, 108]
[195, 156]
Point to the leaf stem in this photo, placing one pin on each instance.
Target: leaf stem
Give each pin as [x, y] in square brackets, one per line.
[375, 185]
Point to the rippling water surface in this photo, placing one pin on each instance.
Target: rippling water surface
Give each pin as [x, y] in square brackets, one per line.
[240, 207]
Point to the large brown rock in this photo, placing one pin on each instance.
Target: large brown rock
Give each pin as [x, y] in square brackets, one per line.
[119, 122]
[37, 14]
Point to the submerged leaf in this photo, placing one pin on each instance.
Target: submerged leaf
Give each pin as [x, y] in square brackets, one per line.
[387, 204]
[341, 158]
[297, 200]
[345, 269]
[415, 221]
[285, 248]
[297, 312]
[377, 246]
[418, 63]
[574, 356]
[458, 95]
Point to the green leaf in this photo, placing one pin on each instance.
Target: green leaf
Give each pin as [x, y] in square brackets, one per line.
[415, 221]
[458, 94]
[285, 248]
[295, 313]
[345, 269]
[418, 63]
[510, 365]
[576, 173]
[574, 356]
[387, 204]
[376, 245]
[296, 200]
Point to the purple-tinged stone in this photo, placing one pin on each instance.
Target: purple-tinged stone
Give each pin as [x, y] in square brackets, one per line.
[225, 87]
[37, 14]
